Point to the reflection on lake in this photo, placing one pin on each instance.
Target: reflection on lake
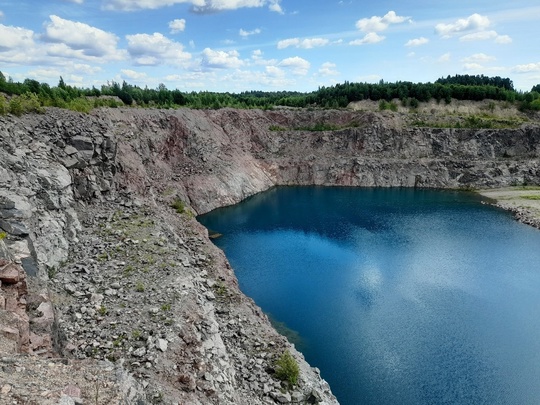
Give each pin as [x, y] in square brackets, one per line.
[399, 296]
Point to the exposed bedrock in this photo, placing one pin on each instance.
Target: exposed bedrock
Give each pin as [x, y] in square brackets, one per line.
[96, 266]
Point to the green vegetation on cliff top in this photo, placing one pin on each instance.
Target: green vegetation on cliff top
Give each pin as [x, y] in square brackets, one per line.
[30, 96]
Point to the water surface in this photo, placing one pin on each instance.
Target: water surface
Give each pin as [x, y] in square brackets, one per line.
[399, 296]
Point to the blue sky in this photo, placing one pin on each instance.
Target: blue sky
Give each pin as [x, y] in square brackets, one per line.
[237, 45]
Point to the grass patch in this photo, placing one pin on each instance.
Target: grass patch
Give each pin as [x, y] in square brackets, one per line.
[535, 197]
[277, 128]
[3, 235]
[471, 122]
[528, 188]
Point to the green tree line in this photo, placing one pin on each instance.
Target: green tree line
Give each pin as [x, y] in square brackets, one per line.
[31, 95]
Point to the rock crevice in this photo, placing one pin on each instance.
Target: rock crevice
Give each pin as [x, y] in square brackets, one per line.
[97, 267]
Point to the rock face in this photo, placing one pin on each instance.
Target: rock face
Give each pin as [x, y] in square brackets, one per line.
[96, 266]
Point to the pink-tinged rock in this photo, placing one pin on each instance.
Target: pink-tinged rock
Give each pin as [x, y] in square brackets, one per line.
[10, 333]
[39, 342]
[72, 390]
[10, 274]
[46, 310]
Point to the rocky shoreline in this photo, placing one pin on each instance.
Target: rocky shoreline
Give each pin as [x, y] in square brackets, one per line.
[110, 295]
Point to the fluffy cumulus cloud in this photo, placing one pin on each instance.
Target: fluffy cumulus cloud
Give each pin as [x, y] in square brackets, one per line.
[328, 69]
[274, 71]
[307, 43]
[244, 34]
[417, 41]
[486, 35]
[133, 75]
[474, 22]
[177, 25]
[220, 59]
[156, 49]
[377, 24]
[200, 6]
[12, 38]
[369, 38]
[473, 28]
[526, 68]
[298, 66]
[76, 39]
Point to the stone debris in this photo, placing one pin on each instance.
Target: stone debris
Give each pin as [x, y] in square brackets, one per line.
[110, 296]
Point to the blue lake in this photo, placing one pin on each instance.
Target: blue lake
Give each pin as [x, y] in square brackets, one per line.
[399, 296]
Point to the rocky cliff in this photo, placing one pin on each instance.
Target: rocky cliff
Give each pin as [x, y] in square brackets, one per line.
[126, 298]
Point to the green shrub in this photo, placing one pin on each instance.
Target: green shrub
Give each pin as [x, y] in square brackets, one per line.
[3, 105]
[287, 369]
[3, 235]
[387, 105]
[80, 104]
[27, 103]
[15, 106]
[178, 205]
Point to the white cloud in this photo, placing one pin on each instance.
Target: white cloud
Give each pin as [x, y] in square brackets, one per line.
[444, 58]
[156, 49]
[473, 66]
[307, 43]
[275, 6]
[244, 34]
[221, 59]
[298, 65]
[328, 69]
[133, 75]
[274, 71]
[257, 59]
[15, 38]
[75, 1]
[417, 41]
[369, 38]
[1, 14]
[177, 25]
[471, 23]
[376, 23]
[478, 58]
[81, 40]
[529, 67]
[479, 36]
[503, 39]
[201, 6]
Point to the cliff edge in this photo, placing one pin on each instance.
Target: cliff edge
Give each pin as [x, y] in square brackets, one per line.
[110, 295]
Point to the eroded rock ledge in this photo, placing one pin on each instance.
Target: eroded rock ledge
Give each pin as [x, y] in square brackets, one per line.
[124, 300]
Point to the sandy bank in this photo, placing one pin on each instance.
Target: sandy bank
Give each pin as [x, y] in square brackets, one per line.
[523, 201]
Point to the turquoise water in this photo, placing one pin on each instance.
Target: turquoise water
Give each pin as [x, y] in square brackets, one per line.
[399, 296]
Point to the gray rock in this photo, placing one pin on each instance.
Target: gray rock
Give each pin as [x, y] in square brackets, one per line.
[281, 397]
[162, 345]
[14, 228]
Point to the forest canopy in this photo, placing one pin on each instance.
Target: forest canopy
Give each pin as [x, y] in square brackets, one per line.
[30, 95]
